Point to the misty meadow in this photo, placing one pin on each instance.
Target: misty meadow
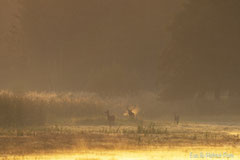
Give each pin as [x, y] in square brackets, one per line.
[117, 80]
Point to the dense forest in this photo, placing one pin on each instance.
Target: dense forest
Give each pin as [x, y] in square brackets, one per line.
[110, 46]
[203, 56]
[166, 56]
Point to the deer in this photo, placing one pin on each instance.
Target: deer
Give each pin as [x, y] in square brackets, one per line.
[110, 118]
[130, 113]
[176, 118]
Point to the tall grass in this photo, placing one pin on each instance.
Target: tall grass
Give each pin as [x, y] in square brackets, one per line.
[39, 108]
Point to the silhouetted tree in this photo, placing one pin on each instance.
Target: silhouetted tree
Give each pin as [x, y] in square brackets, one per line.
[203, 54]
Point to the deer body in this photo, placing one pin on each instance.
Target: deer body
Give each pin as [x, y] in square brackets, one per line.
[131, 114]
[110, 118]
[176, 119]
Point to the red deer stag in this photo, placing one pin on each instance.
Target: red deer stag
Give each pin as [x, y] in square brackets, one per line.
[110, 118]
[131, 113]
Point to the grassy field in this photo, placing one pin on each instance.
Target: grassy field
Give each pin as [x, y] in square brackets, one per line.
[153, 138]
[49, 125]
